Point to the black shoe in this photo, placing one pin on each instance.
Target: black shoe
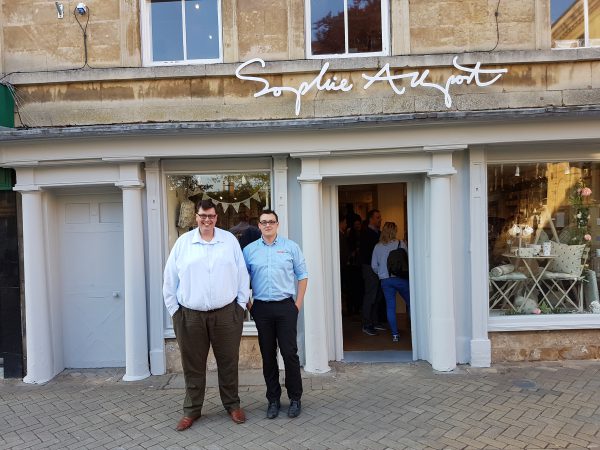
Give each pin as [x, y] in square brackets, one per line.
[369, 330]
[295, 408]
[380, 327]
[273, 410]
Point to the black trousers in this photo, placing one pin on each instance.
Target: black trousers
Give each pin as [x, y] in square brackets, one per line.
[276, 323]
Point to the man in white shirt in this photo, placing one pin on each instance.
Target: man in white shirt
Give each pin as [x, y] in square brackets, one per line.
[206, 288]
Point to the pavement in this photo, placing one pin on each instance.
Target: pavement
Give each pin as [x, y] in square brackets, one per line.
[355, 406]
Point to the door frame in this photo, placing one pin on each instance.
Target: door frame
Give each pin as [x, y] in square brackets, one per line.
[415, 186]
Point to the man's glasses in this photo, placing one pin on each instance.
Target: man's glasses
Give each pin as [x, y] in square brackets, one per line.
[264, 223]
[207, 216]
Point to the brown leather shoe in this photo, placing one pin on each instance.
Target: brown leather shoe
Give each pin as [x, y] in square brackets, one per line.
[237, 415]
[185, 422]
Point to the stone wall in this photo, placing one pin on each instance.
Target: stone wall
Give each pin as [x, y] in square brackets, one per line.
[545, 345]
[220, 98]
[34, 39]
[249, 355]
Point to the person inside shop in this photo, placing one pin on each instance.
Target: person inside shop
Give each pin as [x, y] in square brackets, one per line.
[355, 279]
[344, 261]
[393, 273]
[206, 289]
[251, 233]
[276, 264]
[372, 292]
[242, 225]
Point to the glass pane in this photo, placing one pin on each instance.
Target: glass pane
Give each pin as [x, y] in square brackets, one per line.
[532, 204]
[202, 29]
[167, 32]
[567, 23]
[364, 26]
[327, 24]
[594, 17]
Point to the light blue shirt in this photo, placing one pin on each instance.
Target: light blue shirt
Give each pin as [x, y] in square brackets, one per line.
[274, 268]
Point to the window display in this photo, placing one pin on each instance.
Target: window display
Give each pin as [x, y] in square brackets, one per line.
[239, 198]
[543, 237]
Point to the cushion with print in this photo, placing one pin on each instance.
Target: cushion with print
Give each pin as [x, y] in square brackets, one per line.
[568, 258]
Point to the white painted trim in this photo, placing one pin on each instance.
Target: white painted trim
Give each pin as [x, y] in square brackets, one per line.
[481, 355]
[146, 38]
[385, 34]
[530, 322]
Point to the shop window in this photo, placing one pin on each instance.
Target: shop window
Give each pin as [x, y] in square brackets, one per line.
[575, 23]
[543, 238]
[183, 31]
[347, 28]
[239, 198]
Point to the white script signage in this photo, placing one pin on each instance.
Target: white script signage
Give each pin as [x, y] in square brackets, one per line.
[323, 82]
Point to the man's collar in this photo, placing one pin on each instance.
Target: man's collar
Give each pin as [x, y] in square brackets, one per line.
[275, 241]
[197, 237]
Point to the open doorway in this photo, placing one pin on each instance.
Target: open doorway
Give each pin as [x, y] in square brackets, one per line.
[354, 203]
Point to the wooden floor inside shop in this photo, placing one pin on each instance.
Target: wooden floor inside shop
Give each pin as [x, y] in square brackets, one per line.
[356, 340]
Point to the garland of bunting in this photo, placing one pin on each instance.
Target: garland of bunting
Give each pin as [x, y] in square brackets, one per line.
[236, 205]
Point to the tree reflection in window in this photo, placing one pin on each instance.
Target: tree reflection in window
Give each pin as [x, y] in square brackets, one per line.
[330, 35]
[238, 197]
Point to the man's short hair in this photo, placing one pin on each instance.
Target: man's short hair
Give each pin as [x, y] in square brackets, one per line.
[269, 211]
[205, 205]
[371, 213]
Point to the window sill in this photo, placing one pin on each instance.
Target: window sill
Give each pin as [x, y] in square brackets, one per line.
[248, 330]
[532, 322]
[305, 65]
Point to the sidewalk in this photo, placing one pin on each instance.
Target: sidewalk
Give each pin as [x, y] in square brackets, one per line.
[355, 406]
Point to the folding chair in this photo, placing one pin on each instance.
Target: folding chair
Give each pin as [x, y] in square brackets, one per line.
[503, 287]
[565, 288]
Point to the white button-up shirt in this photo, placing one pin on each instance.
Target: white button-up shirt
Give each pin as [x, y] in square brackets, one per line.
[204, 275]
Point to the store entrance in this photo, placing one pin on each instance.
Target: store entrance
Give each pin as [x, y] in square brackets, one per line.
[359, 342]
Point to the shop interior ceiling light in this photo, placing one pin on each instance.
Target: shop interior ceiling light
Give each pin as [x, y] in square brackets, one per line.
[517, 172]
[81, 9]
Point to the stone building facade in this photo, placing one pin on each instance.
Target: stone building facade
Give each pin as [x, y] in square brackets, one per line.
[453, 97]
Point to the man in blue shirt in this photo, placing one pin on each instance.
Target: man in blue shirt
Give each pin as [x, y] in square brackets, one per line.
[275, 264]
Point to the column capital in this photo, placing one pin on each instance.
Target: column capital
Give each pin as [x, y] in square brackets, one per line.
[27, 188]
[310, 178]
[134, 184]
[445, 148]
[441, 172]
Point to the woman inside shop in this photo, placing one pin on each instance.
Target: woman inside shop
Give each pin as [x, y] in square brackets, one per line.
[390, 263]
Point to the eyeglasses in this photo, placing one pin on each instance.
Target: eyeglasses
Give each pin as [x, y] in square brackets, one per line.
[207, 216]
[264, 223]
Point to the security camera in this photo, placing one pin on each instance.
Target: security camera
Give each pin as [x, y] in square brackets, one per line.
[81, 9]
[60, 10]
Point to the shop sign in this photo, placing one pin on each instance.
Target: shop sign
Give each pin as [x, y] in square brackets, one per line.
[323, 82]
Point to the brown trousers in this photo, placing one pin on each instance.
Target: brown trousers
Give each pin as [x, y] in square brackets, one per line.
[196, 331]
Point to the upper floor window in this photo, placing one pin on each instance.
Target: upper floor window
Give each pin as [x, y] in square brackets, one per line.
[575, 23]
[345, 28]
[184, 31]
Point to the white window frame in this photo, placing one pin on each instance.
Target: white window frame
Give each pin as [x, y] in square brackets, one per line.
[146, 34]
[385, 34]
[586, 29]
[532, 322]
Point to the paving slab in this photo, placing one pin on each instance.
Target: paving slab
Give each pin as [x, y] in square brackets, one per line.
[355, 406]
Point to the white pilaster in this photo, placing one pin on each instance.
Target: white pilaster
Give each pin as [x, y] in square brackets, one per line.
[442, 327]
[158, 365]
[136, 327]
[280, 192]
[40, 354]
[481, 352]
[315, 330]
